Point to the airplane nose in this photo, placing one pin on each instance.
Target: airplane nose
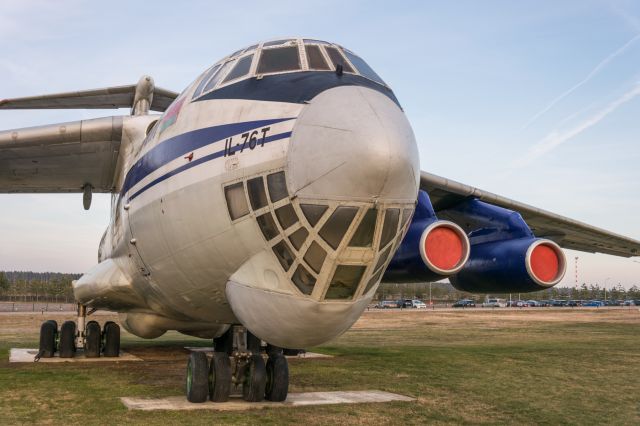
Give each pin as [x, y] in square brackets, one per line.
[353, 143]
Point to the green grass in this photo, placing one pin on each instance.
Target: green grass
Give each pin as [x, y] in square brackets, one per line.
[463, 368]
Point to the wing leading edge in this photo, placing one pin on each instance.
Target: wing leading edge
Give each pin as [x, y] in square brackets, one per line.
[568, 233]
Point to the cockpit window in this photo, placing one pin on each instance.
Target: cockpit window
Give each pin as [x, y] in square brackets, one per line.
[241, 69]
[312, 41]
[212, 83]
[363, 67]
[204, 80]
[315, 59]
[276, 42]
[338, 59]
[279, 59]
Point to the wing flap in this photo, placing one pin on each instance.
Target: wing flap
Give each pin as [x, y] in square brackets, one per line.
[61, 157]
[568, 233]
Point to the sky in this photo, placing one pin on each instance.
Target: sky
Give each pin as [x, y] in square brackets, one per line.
[538, 101]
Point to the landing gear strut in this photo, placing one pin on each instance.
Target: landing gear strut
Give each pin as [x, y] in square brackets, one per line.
[237, 364]
[86, 335]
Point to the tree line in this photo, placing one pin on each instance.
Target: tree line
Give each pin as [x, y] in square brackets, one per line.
[444, 292]
[36, 286]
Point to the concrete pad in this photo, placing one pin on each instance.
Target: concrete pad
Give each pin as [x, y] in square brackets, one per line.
[293, 400]
[302, 355]
[27, 355]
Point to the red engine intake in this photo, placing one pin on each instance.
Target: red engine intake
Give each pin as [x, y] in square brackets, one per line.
[444, 247]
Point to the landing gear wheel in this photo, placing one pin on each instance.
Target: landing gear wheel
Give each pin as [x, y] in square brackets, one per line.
[277, 378]
[92, 340]
[255, 379]
[197, 386]
[68, 339]
[111, 336]
[48, 332]
[219, 377]
[224, 343]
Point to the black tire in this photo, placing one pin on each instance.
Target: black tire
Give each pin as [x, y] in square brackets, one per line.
[197, 380]
[111, 336]
[255, 380]
[68, 339]
[219, 377]
[48, 331]
[273, 350]
[92, 340]
[277, 378]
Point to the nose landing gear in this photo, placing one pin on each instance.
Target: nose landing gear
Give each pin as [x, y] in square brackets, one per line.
[237, 364]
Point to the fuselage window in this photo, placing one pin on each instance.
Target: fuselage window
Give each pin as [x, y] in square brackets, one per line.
[257, 195]
[315, 256]
[336, 226]
[303, 280]
[363, 68]
[236, 200]
[206, 78]
[345, 282]
[277, 186]
[267, 226]
[241, 69]
[315, 59]
[279, 59]
[284, 255]
[363, 236]
[313, 212]
[214, 80]
[373, 281]
[338, 59]
[383, 258]
[390, 226]
[309, 40]
[286, 216]
[298, 238]
[276, 42]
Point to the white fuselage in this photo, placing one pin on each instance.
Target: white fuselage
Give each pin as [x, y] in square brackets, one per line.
[286, 235]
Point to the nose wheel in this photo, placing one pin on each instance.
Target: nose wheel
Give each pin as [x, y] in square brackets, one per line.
[237, 366]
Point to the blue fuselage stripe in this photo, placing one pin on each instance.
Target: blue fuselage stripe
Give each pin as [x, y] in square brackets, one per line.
[185, 143]
[202, 160]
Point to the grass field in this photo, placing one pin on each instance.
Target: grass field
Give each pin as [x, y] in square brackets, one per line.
[533, 366]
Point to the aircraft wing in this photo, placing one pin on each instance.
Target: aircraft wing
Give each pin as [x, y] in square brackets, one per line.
[60, 157]
[106, 98]
[568, 233]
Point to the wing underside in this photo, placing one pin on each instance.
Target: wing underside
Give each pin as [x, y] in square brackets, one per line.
[568, 233]
[61, 157]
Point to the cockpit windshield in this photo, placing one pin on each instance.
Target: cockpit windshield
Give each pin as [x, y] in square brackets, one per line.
[283, 56]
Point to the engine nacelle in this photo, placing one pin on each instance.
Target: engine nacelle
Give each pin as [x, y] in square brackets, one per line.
[431, 250]
[510, 266]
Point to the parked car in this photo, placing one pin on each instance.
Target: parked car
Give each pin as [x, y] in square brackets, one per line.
[386, 304]
[534, 303]
[631, 302]
[558, 303]
[594, 303]
[464, 303]
[404, 303]
[418, 304]
[516, 304]
[545, 303]
[495, 303]
[574, 303]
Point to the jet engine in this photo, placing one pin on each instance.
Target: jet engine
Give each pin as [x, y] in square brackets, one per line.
[432, 249]
[520, 265]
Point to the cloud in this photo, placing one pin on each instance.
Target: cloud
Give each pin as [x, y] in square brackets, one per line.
[584, 81]
[557, 137]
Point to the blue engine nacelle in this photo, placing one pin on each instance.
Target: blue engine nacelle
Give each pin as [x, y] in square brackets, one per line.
[521, 265]
[432, 249]
[505, 255]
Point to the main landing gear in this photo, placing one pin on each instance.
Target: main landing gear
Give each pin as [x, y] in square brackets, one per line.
[96, 342]
[237, 363]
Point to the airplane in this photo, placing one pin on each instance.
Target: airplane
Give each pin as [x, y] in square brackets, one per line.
[261, 208]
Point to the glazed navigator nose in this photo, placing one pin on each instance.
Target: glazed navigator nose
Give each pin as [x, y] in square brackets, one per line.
[353, 143]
